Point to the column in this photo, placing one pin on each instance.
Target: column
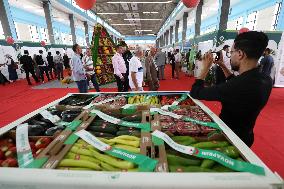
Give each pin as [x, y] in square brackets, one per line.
[49, 20]
[176, 31]
[171, 34]
[86, 25]
[72, 26]
[7, 20]
[198, 18]
[184, 27]
[224, 14]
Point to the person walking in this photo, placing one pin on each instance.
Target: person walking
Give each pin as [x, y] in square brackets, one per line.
[178, 59]
[120, 69]
[58, 60]
[28, 66]
[66, 63]
[136, 71]
[151, 71]
[172, 61]
[89, 69]
[78, 71]
[266, 62]
[12, 68]
[43, 66]
[51, 66]
[160, 62]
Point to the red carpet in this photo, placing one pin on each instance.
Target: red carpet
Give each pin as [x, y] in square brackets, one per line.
[18, 99]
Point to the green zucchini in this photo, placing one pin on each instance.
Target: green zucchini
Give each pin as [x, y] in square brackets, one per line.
[133, 118]
[98, 134]
[102, 129]
[176, 160]
[188, 169]
[211, 144]
[130, 133]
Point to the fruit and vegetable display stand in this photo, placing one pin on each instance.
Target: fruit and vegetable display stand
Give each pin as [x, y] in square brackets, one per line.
[103, 49]
[127, 140]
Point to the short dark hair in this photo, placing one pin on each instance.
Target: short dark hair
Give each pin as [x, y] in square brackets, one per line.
[225, 47]
[40, 51]
[57, 52]
[26, 52]
[253, 43]
[119, 45]
[268, 50]
[49, 53]
[74, 47]
[177, 50]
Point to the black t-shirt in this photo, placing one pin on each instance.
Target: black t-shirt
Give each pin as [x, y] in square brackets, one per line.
[27, 62]
[242, 98]
[127, 55]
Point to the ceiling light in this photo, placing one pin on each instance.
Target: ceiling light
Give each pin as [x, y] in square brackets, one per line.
[144, 2]
[124, 24]
[142, 19]
[106, 13]
[151, 34]
[143, 30]
[150, 12]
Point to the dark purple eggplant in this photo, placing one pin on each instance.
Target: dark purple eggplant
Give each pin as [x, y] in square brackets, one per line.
[36, 130]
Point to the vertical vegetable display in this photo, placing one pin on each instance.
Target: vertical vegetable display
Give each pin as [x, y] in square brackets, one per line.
[103, 48]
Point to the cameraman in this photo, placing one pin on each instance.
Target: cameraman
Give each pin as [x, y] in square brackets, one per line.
[243, 96]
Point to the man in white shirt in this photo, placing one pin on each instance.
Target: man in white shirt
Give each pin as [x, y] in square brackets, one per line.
[120, 69]
[178, 58]
[136, 71]
[58, 60]
[89, 68]
[78, 71]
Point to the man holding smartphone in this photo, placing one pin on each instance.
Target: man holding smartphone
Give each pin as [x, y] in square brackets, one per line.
[243, 96]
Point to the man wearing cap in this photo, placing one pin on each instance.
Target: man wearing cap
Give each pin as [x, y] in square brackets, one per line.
[28, 66]
[220, 77]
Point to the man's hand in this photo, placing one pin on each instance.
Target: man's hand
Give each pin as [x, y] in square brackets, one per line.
[220, 62]
[207, 63]
[122, 78]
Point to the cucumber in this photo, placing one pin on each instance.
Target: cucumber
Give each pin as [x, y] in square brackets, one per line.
[231, 151]
[98, 134]
[207, 163]
[132, 118]
[189, 169]
[102, 129]
[211, 144]
[176, 160]
[130, 133]
[221, 168]
[79, 163]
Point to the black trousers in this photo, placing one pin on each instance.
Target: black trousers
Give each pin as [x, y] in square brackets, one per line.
[122, 86]
[28, 76]
[173, 69]
[52, 69]
[59, 71]
[95, 83]
[42, 70]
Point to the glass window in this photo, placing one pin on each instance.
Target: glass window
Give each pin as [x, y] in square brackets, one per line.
[44, 35]
[251, 20]
[1, 32]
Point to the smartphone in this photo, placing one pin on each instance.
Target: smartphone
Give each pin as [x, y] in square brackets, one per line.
[216, 55]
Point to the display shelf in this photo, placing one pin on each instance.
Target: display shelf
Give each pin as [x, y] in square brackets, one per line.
[46, 178]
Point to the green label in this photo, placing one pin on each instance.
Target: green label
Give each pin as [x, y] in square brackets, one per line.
[145, 163]
[211, 154]
[71, 139]
[73, 125]
[206, 124]
[143, 126]
[182, 98]
[229, 162]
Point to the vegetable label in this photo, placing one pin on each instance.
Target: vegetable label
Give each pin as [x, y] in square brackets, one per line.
[47, 115]
[143, 126]
[24, 153]
[102, 102]
[211, 154]
[166, 113]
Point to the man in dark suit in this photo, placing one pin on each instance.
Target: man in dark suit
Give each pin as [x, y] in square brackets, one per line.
[51, 65]
[28, 66]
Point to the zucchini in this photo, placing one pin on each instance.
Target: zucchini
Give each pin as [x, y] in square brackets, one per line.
[189, 169]
[211, 144]
[207, 163]
[133, 118]
[177, 160]
[98, 134]
[130, 133]
[102, 129]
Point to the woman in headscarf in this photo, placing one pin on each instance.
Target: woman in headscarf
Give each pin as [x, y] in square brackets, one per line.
[12, 68]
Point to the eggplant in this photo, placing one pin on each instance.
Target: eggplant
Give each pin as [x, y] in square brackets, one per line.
[52, 130]
[36, 130]
[56, 112]
[41, 123]
[50, 124]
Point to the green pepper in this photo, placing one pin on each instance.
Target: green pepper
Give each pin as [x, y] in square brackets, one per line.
[211, 144]
[176, 160]
[207, 163]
